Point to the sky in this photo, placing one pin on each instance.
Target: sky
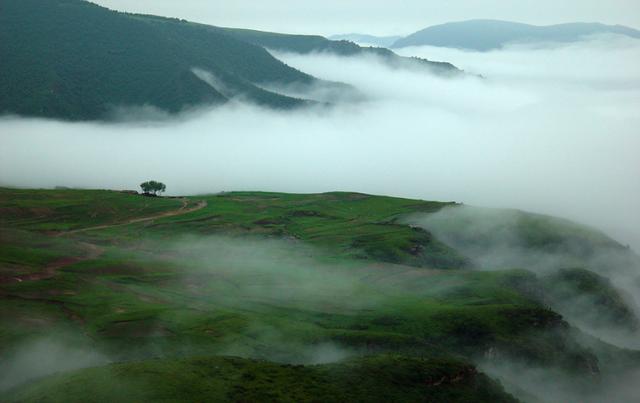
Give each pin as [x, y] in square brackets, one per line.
[380, 17]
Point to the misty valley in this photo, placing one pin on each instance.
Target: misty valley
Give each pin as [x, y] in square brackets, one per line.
[191, 212]
[340, 295]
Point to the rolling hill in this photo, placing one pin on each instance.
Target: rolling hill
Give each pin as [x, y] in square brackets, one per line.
[75, 60]
[272, 296]
[485, 35]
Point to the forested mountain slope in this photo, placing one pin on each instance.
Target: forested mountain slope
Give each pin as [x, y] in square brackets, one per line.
[75, 60]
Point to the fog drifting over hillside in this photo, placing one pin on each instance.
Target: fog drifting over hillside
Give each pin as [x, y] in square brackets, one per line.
[552, 130]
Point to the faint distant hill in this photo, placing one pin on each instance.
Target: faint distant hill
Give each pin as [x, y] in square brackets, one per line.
[484, 35]
[384, 41]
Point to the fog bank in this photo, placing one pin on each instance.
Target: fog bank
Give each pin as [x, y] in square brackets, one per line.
[552, 130]
[43, 357]
[562, 254]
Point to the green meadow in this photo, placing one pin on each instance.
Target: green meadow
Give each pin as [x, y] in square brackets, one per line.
[252, 296]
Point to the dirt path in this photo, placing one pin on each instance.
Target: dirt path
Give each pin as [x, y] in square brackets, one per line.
[182, 210]
[94, 251]
[49, 271]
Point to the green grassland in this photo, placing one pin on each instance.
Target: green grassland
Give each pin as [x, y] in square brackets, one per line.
[319, 295]
[374, 379]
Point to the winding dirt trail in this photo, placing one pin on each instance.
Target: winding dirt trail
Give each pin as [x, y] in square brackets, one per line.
[182, 210]
[94, 251]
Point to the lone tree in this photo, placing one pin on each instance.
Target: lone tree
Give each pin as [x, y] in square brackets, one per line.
[152, 188]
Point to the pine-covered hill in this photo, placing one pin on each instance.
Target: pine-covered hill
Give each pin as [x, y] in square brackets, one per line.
[75, 60]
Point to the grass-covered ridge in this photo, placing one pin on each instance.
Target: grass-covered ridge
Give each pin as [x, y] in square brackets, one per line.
[375, 379]
[293, 279]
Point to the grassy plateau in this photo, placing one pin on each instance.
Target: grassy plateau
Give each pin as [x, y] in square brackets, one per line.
[253, 296]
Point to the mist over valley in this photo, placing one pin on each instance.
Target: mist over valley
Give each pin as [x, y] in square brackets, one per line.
[202, 213]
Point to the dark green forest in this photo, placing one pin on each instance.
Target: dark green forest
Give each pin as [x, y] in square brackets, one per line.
[75, 60]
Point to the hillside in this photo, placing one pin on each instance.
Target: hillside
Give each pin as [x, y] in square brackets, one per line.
[75, 60]
[329, 283]
[485, 35]
[382, 41]
[235, 379]
[592, 299]
[511, 238]
[305, 44]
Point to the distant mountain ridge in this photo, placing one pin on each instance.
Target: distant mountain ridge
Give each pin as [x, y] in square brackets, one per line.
[305, 44]
[383, 41]
[484, 35]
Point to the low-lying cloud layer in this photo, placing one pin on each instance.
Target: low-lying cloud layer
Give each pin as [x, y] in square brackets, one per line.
[606, 304]
[43, 357]
[552, 130]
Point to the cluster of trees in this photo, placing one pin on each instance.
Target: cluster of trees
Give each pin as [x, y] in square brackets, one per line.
[153, 187]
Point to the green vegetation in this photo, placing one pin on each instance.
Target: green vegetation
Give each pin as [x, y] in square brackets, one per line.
[580, 289]
[374, 379]
[313, 43]
[75, 60]
[509, 238]
[153, 187]
[59, 210]
[324, 296]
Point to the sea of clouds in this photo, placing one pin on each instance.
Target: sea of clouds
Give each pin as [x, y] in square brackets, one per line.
[550, 129]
